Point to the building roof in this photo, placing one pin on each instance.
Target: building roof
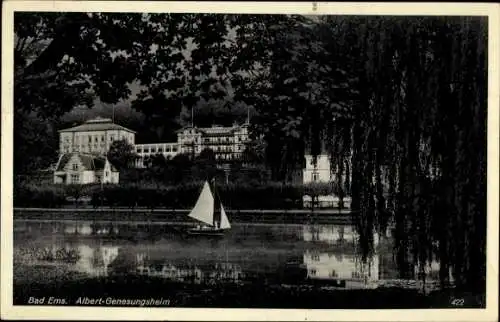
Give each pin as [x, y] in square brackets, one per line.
[90, 162]
[97, 124]
[215, 129]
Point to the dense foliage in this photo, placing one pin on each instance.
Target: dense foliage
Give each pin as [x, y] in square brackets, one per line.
[122, 155]
[423, 112]
[399, 105]
[157, 195]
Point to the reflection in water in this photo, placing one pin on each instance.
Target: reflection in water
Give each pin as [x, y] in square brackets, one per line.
[342, 267]
[95, 261]
[333, 234]
[209, 273]
[285, 254]
[86, 229]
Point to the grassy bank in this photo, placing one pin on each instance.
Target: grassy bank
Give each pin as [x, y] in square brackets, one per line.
[244, 295]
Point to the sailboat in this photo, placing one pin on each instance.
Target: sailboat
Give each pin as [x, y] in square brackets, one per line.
[210, 213]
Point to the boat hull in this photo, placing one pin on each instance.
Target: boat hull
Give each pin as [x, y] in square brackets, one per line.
[206, 232]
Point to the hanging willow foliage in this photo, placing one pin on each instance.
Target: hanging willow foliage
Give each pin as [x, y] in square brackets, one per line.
[418, 140]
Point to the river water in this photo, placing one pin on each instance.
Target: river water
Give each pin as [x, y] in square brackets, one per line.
[325, 255]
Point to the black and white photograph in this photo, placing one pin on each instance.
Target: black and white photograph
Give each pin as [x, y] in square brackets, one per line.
[282, 159]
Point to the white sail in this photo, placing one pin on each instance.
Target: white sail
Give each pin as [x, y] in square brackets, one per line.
[204, 208]
[224, 221]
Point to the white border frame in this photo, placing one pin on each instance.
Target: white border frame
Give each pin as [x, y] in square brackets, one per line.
[345, 8]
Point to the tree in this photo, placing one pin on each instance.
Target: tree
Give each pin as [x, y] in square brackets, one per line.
[296, 88]
[64, 60]
[254, 152]
[205, 165]
[206, 155]
[315, 190]
[178, 167]
[122, 155]
[157, 167]
[34, 138]
[73, 57]
[77, 191]
[399, 105]
[417, 124]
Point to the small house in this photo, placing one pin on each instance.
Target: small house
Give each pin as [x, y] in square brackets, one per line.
[79, 168]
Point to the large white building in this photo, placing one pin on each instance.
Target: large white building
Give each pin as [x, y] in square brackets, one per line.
[227, 143]
[94, 136]
[93, 139]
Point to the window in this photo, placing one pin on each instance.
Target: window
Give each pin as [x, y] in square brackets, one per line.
[315, 176]
[90, 139]
[160, 149]
[139, 150]
[312, 272]
[96, 139]
[75, 178]
[98, 179]
[102, 138]
[75, 167]
[333, 273]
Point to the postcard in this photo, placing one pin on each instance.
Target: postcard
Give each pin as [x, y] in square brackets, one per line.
[250, 161]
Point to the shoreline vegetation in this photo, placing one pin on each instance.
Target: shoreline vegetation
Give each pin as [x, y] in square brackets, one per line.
[237, 196]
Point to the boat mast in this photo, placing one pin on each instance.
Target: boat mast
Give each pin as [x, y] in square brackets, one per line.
[216, 201]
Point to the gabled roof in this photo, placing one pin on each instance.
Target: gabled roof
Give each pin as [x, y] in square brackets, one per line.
[89, 162]
[98, 124]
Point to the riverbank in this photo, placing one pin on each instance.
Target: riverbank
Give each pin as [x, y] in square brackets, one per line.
[237, 295]
[147, 215]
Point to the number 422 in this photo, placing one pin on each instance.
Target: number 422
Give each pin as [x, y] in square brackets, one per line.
[457, 302]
